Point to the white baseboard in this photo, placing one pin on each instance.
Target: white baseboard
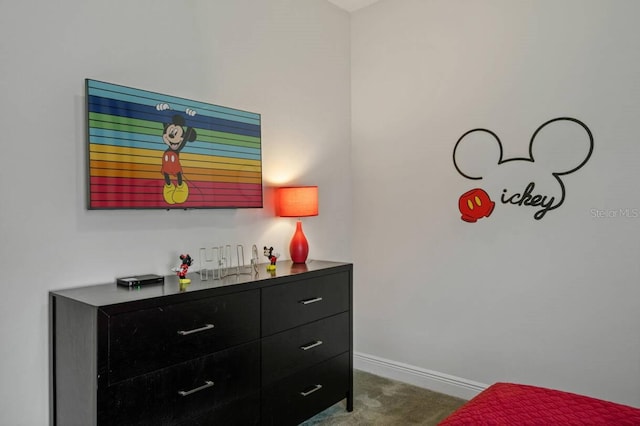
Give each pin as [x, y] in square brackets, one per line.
[428, 379]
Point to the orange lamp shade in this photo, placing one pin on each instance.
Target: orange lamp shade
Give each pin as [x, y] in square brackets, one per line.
[298, 201]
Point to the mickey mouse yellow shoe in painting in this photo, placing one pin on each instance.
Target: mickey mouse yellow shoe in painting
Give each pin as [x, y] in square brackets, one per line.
[181, 193]
[167, 192]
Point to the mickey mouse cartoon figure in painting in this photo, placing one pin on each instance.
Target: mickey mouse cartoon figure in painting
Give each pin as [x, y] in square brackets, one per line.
[175, 135]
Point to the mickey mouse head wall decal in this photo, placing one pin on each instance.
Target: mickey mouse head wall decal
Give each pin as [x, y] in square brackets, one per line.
[557, 148]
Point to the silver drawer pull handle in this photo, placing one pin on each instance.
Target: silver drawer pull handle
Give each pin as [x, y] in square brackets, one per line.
[311, 345]
[315, 389]
[196, 330]
[309, 301]
[207, 384]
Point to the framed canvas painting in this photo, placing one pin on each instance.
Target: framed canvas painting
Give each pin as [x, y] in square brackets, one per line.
[148, 150]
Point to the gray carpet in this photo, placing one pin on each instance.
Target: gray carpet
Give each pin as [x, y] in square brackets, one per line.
[382, 402]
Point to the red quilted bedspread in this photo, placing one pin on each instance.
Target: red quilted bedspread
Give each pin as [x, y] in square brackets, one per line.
[514, 404]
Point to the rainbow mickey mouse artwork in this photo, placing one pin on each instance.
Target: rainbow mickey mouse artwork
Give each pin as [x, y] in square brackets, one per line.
[557, 148]
[148, 150]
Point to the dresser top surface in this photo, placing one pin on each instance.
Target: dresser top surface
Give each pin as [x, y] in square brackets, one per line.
[111, 293]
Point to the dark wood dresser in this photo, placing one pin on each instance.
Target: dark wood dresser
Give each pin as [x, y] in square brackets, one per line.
[260, 348]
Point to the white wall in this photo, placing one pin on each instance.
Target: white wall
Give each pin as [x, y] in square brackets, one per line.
[286, 59]
[554, 302]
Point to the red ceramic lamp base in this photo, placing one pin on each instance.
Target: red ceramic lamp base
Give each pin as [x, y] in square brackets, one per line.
[299, 247]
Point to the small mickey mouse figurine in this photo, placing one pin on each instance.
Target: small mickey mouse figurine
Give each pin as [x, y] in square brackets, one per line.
[184, 268]
[268, 252]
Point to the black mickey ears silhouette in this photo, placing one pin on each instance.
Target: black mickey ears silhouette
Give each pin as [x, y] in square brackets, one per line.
[563, 145]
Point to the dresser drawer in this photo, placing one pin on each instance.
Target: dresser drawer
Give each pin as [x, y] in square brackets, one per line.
[150, 339]
[185, 391]
[305, 394]
[289, 305]
[302, 347]
[244, 412]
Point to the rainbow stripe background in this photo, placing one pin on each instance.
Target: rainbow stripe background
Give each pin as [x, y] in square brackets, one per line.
[222, 167]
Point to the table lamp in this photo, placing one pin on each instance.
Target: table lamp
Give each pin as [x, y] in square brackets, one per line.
[297, 201]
